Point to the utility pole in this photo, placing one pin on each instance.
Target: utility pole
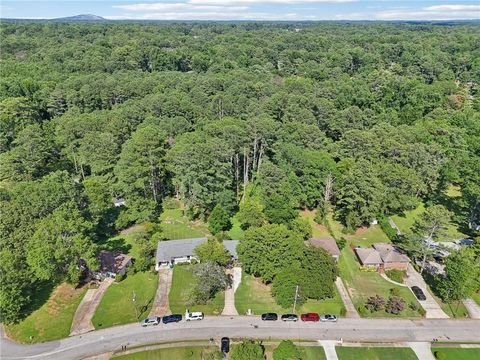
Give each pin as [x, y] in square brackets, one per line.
[134, 304]
[295, 301]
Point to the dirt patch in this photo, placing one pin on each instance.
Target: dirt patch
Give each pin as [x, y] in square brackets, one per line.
[60, 296]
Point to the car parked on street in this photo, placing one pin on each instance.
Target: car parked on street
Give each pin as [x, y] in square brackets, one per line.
[172, 318]
[193, 315]
[152, 320]
[269, 317]
[225, 345]
[310, 317]
[418, 293]
[328, 318]
[289, 317]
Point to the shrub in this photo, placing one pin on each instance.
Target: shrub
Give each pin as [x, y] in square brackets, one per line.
[302, 227]
[375, 303]
[395, 305]
[342, 242]
[194, 261]
[439, 355]
[396, 275]
[394, 292]
[413, 306]
[362, 310]
[119, 278]
[219, 220]
[387, 229]
[286, 350]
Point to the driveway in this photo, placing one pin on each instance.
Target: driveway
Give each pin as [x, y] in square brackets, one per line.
[82, 320]
[229, 308]
[473, 308]
[432, 308]
[160, 305]
[423, 350]
[347, 301]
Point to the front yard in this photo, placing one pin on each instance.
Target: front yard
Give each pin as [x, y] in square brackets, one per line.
[177, 353]
[456, 353]
[362, 285]
[117, 305]
[52, 320]
[183, 283]
[375, 353]
[253, 294]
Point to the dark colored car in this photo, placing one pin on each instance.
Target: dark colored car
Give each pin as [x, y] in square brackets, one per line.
[310, 317]
[289, 317]
[172, 318]
[269, 317]
[225, 345]
[419, 293]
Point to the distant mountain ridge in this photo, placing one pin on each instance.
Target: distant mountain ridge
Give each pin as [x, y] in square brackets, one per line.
[81, 17]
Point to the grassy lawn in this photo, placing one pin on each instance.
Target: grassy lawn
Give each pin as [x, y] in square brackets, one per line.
[455, 310]
[457, 353]
[177, 226]
[124, 242]
[117, 307]
[319, 231]
[375, 353]
[368, 236]
[236, 232]
[253, 294]
[312, 352]
[182, 283]
[176, 353]
[406, 220]
[362, 285]
[52, 320]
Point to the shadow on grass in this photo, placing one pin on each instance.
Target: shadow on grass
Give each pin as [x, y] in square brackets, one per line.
[116, 244]
[39, 297]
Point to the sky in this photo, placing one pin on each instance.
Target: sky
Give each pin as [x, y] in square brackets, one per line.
[245, 9]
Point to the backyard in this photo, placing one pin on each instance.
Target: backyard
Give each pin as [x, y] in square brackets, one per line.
[253, 294]
[117, 305]
[179, 297]
[53, 319]
[175, 225]
[375, 353]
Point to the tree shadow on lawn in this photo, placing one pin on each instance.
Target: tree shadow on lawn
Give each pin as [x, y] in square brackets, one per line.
[117, 244]
[39, 297]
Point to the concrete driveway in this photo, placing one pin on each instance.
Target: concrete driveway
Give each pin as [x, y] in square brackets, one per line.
[229, 308]
[161, 305]
[82, 320]
[347, 301]
[432, 308]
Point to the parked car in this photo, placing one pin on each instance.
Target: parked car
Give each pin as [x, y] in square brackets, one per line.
[193, 315]
[152, 320]
[418, 293]
[172, 318]
[310, 317]
[225, 345]
[289, 317]
[269, 317]
[328, 318]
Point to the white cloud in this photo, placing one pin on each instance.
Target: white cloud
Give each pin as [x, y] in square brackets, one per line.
[173, 7]
[265, 2]
[438, 12]
[221, 15]
[466, 8]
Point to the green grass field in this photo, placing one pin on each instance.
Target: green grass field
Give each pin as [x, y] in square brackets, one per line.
[117, 307]
[253, 294]
[176, 353]
[375, 353]
[318, 231]
[456, 353]
[177, 226]
[476, 297]
[179, 297]
[124, 242]
[312, 352]
[52, 320]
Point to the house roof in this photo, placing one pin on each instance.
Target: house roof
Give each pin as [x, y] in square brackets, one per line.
[328, 244]
[390, 253]
[368, 256]
[231, 246]
[112, 261]
[167, 250]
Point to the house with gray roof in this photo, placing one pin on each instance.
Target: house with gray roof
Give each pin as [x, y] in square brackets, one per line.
[171, 252]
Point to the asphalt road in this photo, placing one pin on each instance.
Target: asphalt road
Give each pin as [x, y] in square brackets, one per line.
[377, 330]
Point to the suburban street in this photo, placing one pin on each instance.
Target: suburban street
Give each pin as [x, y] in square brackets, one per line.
[352, 330]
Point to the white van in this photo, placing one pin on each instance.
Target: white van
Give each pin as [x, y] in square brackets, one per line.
[193, 315]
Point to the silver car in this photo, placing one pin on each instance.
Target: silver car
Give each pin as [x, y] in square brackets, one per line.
[153, 320]
[328, 318]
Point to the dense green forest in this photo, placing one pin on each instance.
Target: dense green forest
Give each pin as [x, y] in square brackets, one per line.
[365, 119]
